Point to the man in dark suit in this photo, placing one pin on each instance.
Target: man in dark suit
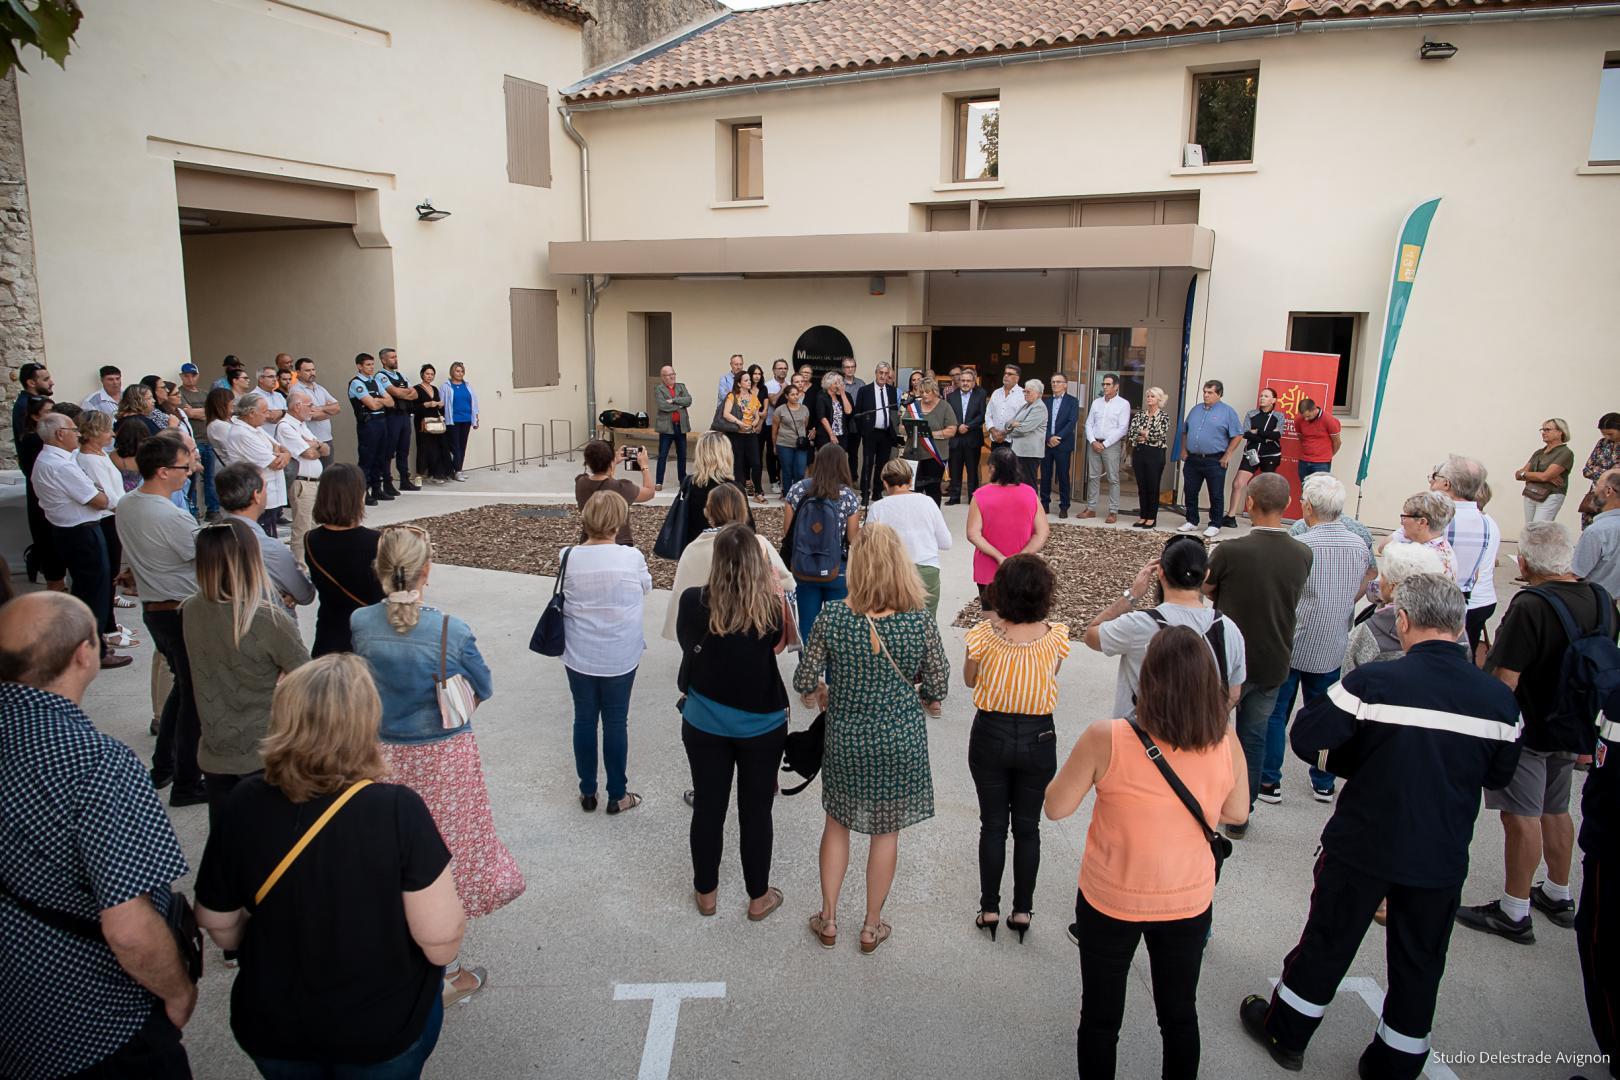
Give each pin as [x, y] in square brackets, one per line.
[1062, 417]
[968, 401]
[877, 411]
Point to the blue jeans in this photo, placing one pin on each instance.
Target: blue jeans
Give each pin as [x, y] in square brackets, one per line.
[1277, 729]
[607, 697]
[794, 463]
[1310, 468]
[812, 594]
[1255, 705]
[407, 1066]
[1197, 471]
[678, 441]
[210, 464]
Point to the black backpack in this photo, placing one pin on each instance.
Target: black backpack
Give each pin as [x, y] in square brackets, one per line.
[1589, 675]
[1216, 636]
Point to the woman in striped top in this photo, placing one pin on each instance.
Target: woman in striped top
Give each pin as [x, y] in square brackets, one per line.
[1012, 663]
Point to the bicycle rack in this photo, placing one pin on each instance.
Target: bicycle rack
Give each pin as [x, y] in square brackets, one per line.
[494, 448]
[555, 420]
[527, 424]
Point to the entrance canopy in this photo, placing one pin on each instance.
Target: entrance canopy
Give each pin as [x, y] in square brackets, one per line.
[1098, 247]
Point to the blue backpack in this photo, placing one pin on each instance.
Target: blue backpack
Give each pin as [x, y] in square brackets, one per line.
[1590, 673]
[818, 540]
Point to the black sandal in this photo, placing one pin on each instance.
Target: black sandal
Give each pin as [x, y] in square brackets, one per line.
[618, 808]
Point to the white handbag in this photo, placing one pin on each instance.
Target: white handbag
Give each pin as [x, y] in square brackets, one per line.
[456, 698]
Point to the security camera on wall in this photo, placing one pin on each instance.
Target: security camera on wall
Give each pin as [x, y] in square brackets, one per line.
[1193, 156]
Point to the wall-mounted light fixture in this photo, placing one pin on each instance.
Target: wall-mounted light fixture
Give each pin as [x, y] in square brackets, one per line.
[426, 212]
[1436, 50]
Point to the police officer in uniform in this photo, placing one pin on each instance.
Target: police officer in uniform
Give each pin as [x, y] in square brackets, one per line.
[1418, 737]
[397, 433]
[370, 404]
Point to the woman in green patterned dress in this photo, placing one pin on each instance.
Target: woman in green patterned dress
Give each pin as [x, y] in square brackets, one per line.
[862, 664]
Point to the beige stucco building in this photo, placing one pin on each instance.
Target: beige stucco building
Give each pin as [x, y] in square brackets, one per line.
[1078, 252]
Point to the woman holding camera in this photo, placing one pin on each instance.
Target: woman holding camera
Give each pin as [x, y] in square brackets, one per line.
[600, 461]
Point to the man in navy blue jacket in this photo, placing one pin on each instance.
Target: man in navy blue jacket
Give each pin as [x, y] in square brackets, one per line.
[1418, 738]
[1062, 418]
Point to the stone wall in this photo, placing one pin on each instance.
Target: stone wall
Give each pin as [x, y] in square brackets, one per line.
[623, 26]
[21, 337]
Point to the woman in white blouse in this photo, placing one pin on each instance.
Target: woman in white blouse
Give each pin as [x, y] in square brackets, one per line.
[604, 587]
[918, 520]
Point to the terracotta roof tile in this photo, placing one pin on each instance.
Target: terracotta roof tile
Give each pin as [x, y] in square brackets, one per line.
[816, 37]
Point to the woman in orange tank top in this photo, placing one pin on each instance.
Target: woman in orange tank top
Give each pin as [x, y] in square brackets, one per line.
[1147, 871]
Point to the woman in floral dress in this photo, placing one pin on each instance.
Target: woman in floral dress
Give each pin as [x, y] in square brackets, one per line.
[863, 662]
[1605, 456]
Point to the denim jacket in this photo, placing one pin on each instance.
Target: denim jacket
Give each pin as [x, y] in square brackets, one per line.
[406, 665]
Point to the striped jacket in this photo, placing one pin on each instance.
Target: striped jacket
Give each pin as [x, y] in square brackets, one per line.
[1417, 739]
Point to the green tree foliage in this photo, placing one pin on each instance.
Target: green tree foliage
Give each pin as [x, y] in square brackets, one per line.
[990, 143]
[46, 25]
[1226, 117]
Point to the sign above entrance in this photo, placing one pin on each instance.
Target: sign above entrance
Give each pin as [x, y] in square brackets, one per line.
[822, 347]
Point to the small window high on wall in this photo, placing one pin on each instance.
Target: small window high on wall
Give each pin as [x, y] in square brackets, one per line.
[1605, 148]
[1335, 332]
[747, 161]
[1223, 115]
[978, 138]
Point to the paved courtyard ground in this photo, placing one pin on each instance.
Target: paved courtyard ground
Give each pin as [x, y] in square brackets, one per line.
[607, 921]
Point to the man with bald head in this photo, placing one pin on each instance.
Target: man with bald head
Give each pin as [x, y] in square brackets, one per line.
[87, 856]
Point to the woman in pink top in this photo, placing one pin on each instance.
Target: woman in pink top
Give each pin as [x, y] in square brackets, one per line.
[1147, 871]
[1004, 519]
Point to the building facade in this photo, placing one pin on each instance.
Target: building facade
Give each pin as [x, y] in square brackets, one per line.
[746, 187]
[213, 177]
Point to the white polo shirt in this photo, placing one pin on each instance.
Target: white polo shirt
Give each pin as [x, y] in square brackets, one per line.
[320, 427]
[1002, 407]
[62, 488]
[295, 435]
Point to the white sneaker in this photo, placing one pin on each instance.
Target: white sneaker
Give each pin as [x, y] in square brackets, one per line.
[123, 601]
[461, 476]
[1186, 527]
[1212, 532]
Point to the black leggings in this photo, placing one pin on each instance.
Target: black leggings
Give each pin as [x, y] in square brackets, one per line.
[1476, 620]
[1012, 757]
[1175, 955]
[713, 759]
[1147, 462]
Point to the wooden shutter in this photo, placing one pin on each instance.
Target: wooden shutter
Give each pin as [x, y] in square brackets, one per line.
[528, 133]
[534, 338]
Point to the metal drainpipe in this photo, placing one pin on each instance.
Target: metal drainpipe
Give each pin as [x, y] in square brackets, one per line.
[592, 291]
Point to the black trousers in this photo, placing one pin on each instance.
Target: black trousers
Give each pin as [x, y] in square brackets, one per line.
[84, 550]
[767, 453]
[459, 434]
[433, 455]
[1417, 935]
[745, 461]
[964, 459]
[178, 730]
[1012, 757]
[714, 758]
[218, 787]
[397, 444]
[1196, 471]
[43, 534]
[1029, 472]
[852, 447]
[1476, 620]
[930, 474]
[1175, 956]
[877, 447]
[1597, 920]
[115, 548]
[152, 1053]
[1147, 462]
[371, 434]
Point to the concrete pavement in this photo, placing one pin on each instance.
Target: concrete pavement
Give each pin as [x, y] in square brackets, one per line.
[608, 909]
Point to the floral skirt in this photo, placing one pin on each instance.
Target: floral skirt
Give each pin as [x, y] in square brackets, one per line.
[450, 778]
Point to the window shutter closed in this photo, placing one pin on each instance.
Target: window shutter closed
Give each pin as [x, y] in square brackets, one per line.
[528, 133]
[534, 338]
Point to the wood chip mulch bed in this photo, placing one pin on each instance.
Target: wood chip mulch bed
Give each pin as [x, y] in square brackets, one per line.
[1093, 565]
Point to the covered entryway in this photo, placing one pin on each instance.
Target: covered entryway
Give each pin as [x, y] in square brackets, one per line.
[277, 266]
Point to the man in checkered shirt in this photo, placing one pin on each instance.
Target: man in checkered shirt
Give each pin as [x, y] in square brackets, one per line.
[1341, 566]
[83, 841]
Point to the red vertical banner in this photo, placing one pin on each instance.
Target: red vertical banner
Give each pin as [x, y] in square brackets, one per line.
[1293, 377]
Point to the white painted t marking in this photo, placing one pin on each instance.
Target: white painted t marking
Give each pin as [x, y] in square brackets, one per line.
[1370, 992]
[666, 1014]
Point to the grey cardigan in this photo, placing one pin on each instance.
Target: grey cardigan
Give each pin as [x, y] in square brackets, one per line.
[1028, 430]
[667, 403]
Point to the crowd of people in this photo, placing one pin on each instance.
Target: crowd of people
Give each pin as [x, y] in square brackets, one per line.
[351, 830]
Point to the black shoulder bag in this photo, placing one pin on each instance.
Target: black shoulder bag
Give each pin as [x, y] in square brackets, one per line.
[181, 921]
[548, 638]
[1219, 846]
